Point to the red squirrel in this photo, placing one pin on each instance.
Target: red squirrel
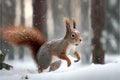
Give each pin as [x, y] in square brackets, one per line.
[43, 51]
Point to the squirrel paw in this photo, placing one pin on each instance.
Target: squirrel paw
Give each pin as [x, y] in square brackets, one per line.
[69, 64]
[76, 60]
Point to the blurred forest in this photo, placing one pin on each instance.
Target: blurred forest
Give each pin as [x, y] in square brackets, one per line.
[97, 20]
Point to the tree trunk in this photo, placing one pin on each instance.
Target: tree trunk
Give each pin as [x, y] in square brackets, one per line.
[22, 21]
[86, 31]
[39, 16]
[60, 9]
[97, 23]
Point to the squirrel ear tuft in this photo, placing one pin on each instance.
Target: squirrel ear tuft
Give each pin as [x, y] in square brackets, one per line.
[67, 22]
[68, 29]
[74, 23]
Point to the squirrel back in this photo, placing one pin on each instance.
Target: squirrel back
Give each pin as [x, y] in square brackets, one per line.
[21, 35]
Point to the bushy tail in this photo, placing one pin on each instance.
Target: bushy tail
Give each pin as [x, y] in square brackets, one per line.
[21, 35]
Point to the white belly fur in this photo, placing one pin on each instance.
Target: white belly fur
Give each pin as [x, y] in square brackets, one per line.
[70, 50]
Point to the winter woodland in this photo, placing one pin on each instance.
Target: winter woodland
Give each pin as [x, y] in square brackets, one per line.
[98, 22]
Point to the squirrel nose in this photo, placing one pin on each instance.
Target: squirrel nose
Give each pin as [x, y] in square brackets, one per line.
[80, 40]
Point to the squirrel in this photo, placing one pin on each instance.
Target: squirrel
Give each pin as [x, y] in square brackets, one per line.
[43, 51]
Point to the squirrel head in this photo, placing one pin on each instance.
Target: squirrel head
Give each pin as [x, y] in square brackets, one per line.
[72, 34]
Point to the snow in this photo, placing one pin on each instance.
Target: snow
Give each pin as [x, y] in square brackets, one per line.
[77, 71]
[0, 52]
[112, 2]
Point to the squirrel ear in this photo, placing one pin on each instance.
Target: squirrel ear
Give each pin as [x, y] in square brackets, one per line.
[74, 23]
[67, 24]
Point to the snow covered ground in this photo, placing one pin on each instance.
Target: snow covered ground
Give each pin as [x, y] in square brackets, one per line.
[26, 70]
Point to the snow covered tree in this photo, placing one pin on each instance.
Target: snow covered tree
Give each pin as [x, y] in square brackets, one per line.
[97, 23]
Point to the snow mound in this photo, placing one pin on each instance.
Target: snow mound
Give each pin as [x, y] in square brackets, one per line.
[24, 70]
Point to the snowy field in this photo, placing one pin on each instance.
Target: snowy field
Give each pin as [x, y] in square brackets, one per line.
[26, 70]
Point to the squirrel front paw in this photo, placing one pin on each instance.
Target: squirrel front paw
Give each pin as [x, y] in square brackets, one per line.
[76, 60]
[69, 63]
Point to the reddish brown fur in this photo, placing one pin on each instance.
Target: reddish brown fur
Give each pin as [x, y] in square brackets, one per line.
[64, 57]
[67, 22]
[21, 35]
[77, 55]
[74, 23]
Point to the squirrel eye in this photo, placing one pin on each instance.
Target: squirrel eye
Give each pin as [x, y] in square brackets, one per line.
[72, 35]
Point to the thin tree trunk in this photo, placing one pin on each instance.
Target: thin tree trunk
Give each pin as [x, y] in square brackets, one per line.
[39, 16]
[97, 22]
[60, 9]
[22, 21]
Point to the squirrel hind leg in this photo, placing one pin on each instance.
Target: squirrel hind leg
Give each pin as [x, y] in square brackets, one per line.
[40, 69]
[55, 65]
